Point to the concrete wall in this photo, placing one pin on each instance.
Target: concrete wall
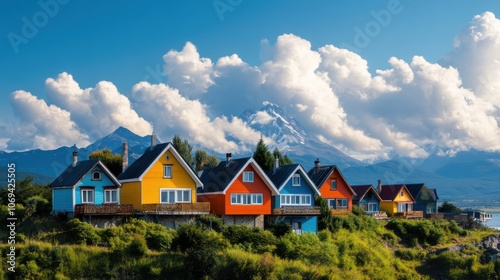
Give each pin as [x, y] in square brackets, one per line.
[248, 220]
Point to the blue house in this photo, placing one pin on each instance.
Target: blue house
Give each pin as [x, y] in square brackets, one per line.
[295, 202]
[367, 198]
[425, 199]
[87, 187]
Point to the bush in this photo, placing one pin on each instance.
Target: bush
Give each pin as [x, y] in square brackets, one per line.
[158, 237]
[210, 222]
[280, 229]
[138, 246]
[82, 233]
[250, 239]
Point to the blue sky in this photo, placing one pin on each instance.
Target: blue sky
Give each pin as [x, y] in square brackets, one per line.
[123, 42]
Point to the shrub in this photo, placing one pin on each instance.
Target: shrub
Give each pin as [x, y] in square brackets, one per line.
[250, 239]
[210, 222]
[138, 246]
[158, 237]
[82, 233]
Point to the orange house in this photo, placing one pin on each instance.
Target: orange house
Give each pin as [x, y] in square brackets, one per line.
[238, 190]
[333, 187]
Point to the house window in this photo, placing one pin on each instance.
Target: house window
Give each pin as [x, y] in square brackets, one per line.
[339, 203]
[87, 196]
[96, 176]
[401, 193]
[247, 198]
[296, 180]
[333, 184]
[364, 206]
[248, 176]
[167, 171]
[111, 196]
[175, 195]
[295, 199]
[373, 207]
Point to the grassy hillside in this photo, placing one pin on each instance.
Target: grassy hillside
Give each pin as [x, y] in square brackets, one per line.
[359, 248]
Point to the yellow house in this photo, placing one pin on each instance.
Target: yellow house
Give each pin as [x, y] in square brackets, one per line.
[161, 181]
[397, 201]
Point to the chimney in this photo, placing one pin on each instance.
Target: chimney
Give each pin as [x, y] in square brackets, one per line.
[276, 164]
[75, 158]
[153, 140]
[317, 163]
[379, 186]
[228, 158]
[124, 156]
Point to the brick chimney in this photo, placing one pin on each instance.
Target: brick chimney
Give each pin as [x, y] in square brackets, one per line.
[379, 186]
[124, 156]
[153, 140]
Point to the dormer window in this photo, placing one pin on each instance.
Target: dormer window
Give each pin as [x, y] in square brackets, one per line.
[96, 176]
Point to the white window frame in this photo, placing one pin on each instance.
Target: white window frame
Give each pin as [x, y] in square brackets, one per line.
[295, 200]
[248, 176]
[167, 174]
[110, 192]
[247, 199]
[373, 207]
[179, 195]
[84, 196]
[296, 180]
[335, 202]
[96, 172]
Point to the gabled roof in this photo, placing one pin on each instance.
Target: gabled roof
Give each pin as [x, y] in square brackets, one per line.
[389, 192]
[416, 189]
[72, 175]
[141, 166]
[434, 194]
[218, 179]
[319, 175]
[362, 190]
[284, 173]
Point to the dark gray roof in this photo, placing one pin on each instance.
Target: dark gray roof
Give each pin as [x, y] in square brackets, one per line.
[319, 174]
[74, 174]
[389, 192]
[217, 179]
[282, 173]
[140, 165]
[415, 189]
[434, 194]
[362, 190]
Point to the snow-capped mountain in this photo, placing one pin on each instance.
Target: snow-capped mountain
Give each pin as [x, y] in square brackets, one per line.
[292, 139]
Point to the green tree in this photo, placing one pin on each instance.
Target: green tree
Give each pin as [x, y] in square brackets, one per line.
[205, 160]
[262, 156]
[283, 160]
[448, 207]
[184, 148]
[112, 161]
[325, 220]
[26, 189]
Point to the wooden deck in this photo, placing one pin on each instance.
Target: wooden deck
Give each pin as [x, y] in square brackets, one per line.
[340, 212]
[104, 209]
[176, 208]
[409, 215]
[297, 210]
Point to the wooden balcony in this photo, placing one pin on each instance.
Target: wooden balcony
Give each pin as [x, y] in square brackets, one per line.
[340, 212]
[435, 216]
[104, 209]
[297, 210]
[177, 208]
[409, 215]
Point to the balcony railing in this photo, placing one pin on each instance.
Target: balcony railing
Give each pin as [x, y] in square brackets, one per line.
[339, 212]
[409, 214]
[435, 215]
[297, 210]
[176, 208]
[104, 209]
